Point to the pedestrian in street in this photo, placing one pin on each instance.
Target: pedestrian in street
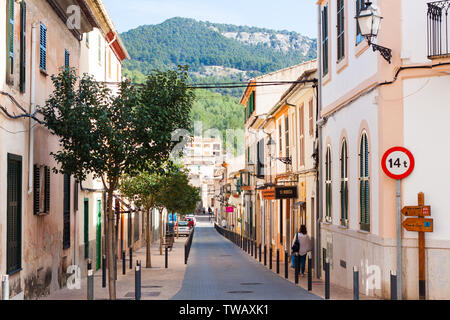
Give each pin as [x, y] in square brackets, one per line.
[305, 246]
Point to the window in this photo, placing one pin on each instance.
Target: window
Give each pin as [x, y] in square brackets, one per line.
[14, 214]
[286, 132]
[311, 118]
[43, 48]
[364, 184]
[260, 159]
[109, 63]
[87, 40]
[325, 40]
[340, 30]
[250, 105]
[280, 136]
[10, 37]
[344, 184]
[41, 190]
[302, 135]
[99, 49]
[86, 228]
[360, 5]
[328, 182]
[23, 56]
[66, 213]
[66, 58]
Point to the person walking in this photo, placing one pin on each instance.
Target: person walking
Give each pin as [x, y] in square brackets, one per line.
[305, 246]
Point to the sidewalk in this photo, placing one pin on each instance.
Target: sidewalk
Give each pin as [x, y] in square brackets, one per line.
[318, 285]
[158, 283]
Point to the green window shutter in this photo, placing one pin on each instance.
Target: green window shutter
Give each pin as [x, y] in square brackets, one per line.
[43, 48]
[66, 58]
[23, 24]
[66, 213]
[14, 214]
[11, 28]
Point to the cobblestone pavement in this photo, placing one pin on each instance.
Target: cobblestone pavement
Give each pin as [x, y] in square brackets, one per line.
[219, 270]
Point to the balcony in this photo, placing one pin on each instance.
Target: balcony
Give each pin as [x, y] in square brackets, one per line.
[438, 29]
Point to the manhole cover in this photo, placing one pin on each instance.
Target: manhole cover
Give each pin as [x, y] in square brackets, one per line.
[250, 283]
[147, 287]
[240, 291]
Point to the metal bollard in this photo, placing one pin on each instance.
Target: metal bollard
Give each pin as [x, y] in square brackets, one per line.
[131, 258]
[270, 257]
[167, 258]
[327, 279]
[5, 287]
[278, 261]
[185, 253]
[286, 265]
[137, 281]
[104, 271]
[309, 273]
[124, 267]
[393, 286]
[90, 281]
[355, 283]
[265, 255]
[296, 266]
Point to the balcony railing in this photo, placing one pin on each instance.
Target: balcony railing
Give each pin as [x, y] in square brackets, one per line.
[438, 29]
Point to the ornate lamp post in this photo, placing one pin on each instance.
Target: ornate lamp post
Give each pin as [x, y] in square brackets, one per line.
[369, 21]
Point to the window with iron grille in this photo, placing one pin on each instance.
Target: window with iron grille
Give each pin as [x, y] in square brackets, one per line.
[328, 185]
[23, 53]
[286, 132]
[66, 213]
[43, 48]
[280, 136]
[41, 201]
[325, 40]
[344, 184]
[360, 5]
[302, 135]
[340, 30]
[66, 58]
[14, 214]
[311, 118]
[364, 184]
[260, 159]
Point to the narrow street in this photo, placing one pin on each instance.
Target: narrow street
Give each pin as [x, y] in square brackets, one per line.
[219, 270]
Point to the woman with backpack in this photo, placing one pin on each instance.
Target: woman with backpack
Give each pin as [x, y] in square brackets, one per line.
[301, 246]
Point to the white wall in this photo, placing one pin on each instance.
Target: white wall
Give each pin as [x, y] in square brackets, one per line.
[426, 135]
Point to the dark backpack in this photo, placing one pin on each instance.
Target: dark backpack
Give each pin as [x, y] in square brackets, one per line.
[296, 245]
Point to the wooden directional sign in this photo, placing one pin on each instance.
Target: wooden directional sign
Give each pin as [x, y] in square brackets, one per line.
[268, 194]
[418, 224]
[416, 211]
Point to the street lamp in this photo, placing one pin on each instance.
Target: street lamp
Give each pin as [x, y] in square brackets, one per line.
[369, 21]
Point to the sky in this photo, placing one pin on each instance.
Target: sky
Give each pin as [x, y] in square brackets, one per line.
[291, 15]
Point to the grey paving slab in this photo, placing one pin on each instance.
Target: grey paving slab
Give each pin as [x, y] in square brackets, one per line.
[219, 270]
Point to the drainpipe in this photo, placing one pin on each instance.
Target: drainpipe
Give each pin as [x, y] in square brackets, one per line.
[32, 107]
[319, 206]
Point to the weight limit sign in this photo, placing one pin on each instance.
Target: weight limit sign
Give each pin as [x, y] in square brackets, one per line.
[397, 163]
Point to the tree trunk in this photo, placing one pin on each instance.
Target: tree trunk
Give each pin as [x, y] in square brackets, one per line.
[110, 248]
[148, 235]
[160, 232]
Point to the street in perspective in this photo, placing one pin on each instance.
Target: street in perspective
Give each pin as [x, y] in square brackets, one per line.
[221, 158]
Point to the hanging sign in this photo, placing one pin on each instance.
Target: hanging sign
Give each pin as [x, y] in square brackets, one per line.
[286, 192]
[230, 209]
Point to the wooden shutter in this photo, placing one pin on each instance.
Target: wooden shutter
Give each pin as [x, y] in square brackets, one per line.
[43, 48]
[325, 40]
[340, 30]
[66, 213]
[23, 27]
[364, 184]
[66, 58]
[302, 135]
[14, 214]
[47, 190]
[36, 185]
[86, 228]
[311, 118]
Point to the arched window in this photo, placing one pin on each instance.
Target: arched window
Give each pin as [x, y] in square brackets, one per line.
[344, 184]
[328, 181]
[364, 184]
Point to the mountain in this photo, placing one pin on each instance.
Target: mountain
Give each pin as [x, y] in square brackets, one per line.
[220, 51]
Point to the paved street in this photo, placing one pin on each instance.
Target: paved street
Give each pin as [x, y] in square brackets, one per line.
[219, 270]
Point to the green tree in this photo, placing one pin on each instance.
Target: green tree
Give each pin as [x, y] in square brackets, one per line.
[111, 134]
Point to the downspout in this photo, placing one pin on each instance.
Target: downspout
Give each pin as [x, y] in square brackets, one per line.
[32, 107]
[317, 264]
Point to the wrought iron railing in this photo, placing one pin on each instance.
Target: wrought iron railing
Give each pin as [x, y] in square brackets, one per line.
[438, 29]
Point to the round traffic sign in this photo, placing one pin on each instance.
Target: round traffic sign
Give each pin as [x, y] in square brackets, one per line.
[397, 163]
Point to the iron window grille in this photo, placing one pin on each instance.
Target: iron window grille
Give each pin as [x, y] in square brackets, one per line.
[364, 184]
[438, 29]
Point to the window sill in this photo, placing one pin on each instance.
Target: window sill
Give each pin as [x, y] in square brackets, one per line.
[43, 72]
[361, 48]
[341, 64]
[14, 271]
